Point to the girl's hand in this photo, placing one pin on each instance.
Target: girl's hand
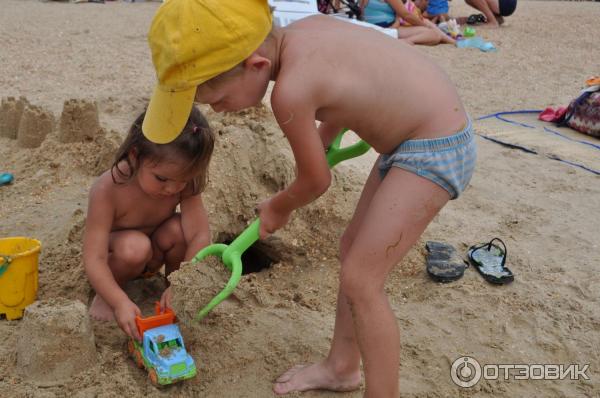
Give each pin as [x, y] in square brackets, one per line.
[270, 219]
[125, 314]
[165, 299]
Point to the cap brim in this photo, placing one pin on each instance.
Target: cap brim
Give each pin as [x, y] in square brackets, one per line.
[167, 114]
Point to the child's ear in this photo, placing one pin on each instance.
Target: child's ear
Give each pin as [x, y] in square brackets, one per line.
[257, 62]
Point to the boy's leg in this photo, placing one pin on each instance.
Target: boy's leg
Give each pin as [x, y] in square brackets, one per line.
[129, 251]
[398, 214]
[340, 371]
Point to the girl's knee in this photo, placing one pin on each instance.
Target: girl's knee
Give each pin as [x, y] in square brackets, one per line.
[170, 233]
[135, 250]
[174, 225]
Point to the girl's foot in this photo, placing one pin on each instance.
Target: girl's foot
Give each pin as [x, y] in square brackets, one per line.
[315, 377]
[445, 39]
[100, 310]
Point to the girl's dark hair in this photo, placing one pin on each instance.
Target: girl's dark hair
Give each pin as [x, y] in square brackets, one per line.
[195, 143]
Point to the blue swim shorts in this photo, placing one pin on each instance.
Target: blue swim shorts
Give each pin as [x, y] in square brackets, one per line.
[437, 7]
[447, 161]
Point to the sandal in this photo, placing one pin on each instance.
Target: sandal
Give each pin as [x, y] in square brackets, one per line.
[489, 259]
[443, 264]
[476, 19]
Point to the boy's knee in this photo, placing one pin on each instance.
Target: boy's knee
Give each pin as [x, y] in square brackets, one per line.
[345, 244]
[358, 288]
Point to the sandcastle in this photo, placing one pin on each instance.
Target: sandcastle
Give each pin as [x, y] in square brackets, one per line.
[30, 125]
[57, 342]
[35, 124]
[79, 121]
[11, 110]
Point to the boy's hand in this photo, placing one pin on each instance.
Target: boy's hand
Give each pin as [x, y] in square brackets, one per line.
[125, 314]
[165, 299]
[270, 219]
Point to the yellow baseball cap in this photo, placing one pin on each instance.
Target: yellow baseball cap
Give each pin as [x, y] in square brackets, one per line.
[193, 41]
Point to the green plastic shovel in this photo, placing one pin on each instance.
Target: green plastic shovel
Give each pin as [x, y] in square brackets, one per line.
[231, 254]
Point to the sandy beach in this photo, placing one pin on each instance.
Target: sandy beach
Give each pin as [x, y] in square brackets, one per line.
[84, 73]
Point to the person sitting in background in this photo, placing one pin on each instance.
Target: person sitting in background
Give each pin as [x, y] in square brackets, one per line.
[493, 11]
[437, 11]
[407, 19]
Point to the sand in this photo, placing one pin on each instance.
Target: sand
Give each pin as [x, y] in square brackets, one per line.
[86, 67]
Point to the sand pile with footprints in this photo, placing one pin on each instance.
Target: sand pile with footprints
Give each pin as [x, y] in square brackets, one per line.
[76, 75]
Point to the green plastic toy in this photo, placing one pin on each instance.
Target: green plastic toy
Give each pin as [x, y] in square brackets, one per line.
[469, 31]
[231, 254]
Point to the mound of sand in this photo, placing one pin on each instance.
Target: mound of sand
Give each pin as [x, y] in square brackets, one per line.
[57, 342]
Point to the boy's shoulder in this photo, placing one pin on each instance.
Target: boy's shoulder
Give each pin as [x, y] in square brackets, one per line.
[314, 23]
[329, 37]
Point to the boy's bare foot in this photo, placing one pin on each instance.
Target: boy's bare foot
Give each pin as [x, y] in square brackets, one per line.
[100, 310]
[314, 377]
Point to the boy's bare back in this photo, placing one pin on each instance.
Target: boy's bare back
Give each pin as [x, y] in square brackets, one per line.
[355, 77]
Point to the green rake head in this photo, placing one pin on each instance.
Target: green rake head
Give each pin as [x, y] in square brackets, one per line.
[231, 255]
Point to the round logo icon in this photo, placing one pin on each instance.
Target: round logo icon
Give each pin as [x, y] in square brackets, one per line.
[465, 372]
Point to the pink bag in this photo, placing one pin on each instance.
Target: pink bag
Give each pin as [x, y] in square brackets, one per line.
[583, 113]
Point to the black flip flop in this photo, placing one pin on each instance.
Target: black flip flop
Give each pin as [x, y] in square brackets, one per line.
[476, 19]
[490, 260]
[443, 263]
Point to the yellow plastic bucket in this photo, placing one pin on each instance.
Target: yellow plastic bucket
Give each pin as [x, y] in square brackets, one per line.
[18, 274]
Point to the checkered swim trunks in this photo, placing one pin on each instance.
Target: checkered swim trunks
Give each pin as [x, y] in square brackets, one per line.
[447, 161]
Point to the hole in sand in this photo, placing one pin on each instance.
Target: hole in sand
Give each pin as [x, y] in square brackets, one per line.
[257, 258]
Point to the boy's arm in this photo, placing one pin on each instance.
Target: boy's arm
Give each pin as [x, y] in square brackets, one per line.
[296, 117]
[194, 222]
[328, 132]
[95, 260]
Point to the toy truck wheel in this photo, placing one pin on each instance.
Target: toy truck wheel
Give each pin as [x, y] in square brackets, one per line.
[139, 361]
[131, 348]
[153, 377]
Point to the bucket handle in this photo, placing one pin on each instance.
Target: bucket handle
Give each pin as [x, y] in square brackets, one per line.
[4, 263]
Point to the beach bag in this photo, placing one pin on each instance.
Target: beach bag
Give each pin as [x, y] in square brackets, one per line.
[583, 113]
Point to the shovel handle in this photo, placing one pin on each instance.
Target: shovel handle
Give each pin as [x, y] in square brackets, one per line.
[231, 254]
[336, 154]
